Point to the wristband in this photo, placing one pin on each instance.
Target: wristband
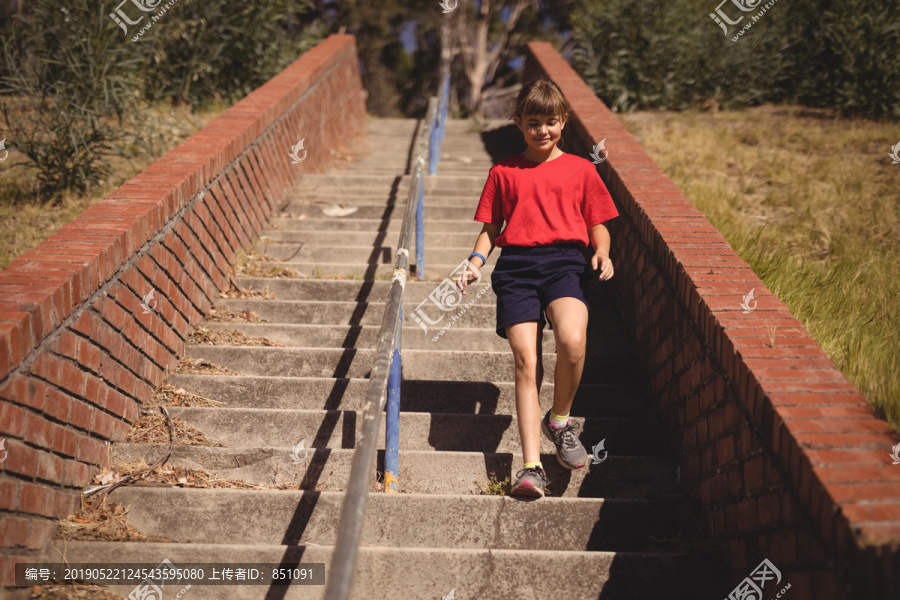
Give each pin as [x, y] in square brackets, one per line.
[483, 259]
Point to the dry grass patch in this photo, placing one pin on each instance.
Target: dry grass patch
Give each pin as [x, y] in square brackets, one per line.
[297, 477]
[238, 293]
[494, 487]
[101, 521]
[810, 202]
[201, 366]
[153, 428]
[317, 273]
[250, 264]
[231, 337]
[173, 475]
[168, 395]
[224, 314]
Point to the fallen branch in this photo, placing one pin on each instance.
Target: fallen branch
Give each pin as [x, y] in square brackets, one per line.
[131, 476]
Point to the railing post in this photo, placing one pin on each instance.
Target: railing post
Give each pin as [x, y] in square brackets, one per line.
[392, 418]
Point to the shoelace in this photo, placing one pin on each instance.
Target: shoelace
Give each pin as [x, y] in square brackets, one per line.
[565, 435]
[536, 470]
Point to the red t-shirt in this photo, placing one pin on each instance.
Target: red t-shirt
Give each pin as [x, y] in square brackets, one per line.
[544, 203]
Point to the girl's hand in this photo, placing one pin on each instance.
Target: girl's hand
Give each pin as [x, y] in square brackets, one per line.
[467, 277]
[601, 261]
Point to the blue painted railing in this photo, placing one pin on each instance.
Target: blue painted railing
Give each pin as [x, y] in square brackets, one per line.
[434, 157]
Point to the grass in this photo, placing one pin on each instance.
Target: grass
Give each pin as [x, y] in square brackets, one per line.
[26, 220]
[810, 202]
[494, 486]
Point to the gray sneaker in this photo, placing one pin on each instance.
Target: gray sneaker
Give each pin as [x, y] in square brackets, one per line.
[569, 451]
[530, 482]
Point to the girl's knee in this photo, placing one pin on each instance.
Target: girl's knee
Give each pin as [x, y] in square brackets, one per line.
[571, 345]
[527, 362]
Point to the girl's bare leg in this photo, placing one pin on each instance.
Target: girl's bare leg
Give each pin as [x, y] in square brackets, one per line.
[525, 340]
[569, 317]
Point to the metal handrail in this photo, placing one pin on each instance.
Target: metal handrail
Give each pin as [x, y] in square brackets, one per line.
[437, 135]
[353, 509]
[434, 156]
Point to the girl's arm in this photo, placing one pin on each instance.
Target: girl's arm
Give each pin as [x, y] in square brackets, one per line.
[485, 242]
[483, 245]
[599, 235]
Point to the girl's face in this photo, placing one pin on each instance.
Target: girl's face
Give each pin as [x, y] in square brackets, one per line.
[542, 132]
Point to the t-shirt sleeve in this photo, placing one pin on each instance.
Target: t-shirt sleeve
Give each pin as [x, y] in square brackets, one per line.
[598, 203]
[489, 205]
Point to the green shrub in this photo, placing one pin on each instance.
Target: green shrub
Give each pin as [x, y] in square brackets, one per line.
[66, 86]
[73, 87]
[671, 54]
[856, 69]
[209, 49]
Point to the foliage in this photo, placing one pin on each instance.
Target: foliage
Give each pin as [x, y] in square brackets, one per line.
[66, 83]
[671, 54]
[858, 66]
[207, 49]
[73, 89]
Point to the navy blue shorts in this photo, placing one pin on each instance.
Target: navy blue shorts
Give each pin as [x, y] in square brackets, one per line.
[528, 278]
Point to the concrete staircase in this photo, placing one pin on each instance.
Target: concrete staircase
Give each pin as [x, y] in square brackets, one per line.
[615, 530]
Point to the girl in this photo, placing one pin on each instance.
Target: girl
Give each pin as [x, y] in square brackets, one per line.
[553, 204]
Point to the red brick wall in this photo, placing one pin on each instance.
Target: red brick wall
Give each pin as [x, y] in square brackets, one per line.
[77, 351]
[789, 462]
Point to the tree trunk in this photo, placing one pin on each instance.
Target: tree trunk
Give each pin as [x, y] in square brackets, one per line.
[480, 60]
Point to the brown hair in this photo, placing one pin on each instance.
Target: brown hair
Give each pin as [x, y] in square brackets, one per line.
[541, 96]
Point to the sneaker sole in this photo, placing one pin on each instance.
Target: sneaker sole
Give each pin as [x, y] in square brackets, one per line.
[526, 489]
[567, 465]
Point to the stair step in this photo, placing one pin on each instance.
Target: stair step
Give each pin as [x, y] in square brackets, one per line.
[383, 198]
[473, 574]
[452, 365]
[379, 211]
[413, 338]
[367, 255]
[327, 290]
[369, 270]
[407, 520]
[454, 432]
[421, 472]
[481, 315]
[392, 226]
[464, 241]
[433, 183]
[465, 397]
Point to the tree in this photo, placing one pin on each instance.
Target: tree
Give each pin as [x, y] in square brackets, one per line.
[498, 32]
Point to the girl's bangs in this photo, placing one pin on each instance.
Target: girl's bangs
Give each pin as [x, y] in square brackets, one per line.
[544, 104]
